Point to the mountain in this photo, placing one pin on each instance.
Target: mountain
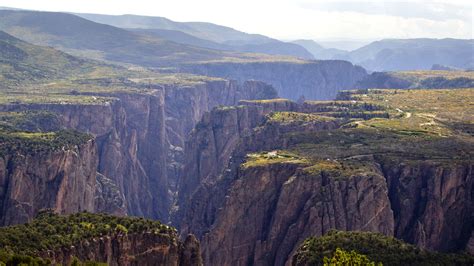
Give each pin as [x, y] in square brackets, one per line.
[292, 77]
[202, 30]
[20, 61]
[318, 51]
[229, 38]
[98, 41]
[413, 54]
[183, 38]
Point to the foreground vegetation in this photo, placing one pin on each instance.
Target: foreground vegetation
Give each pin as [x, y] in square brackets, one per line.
[49, 231]
[376, 247]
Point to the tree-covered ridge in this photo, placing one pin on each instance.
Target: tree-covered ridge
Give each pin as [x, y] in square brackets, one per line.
[377, 248]
[50, 231]
[12, 142]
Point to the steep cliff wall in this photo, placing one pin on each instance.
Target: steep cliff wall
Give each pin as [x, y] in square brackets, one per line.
[272, 208]
[313, 80]
[256, 185]
[63, 180]
[432, 203]
[124, 127]
[186, 105]
[140, 138]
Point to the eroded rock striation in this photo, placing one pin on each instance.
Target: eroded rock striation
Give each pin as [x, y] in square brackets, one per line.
[140, 139]
[317, 80]
[263, 176]
[63, 180]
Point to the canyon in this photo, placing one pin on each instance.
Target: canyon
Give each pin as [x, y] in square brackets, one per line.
[252, 195]
[99, 145]
[138, 141]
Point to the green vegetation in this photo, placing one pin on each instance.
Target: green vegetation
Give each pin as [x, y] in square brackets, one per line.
[347, 109]
[439, 112]
[49, 231]
[344, 258]
[376, 247]
[295, 117]
[31, 121]
[421, 125]
[12, 142]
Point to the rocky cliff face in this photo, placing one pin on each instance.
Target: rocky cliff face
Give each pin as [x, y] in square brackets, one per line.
[186, 105]
[271, 209]
[132, 249]
[313, 80]
[432, 203]
[63, 180]
[259, 214]
[140, 138]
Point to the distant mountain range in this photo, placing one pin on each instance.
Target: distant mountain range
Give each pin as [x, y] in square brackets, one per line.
[411, 54]
[384, 55]
[85, 38]
[203, 33]
[160, 42]
[318, 51]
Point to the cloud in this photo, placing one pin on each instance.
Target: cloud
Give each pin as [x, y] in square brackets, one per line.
[294, 19]
[414, 9]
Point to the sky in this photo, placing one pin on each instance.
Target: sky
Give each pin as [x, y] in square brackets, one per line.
[294, 19]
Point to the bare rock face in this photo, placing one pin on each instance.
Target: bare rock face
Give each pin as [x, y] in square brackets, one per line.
[108, 197]
[185, 106]
[62, 180]
[432, 203]
[271, 209]
[317, 80]
[132, 249]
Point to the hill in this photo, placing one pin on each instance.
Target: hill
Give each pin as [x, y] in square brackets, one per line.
[413, 54]
[318, 51]
[85, 38]
[228, 38]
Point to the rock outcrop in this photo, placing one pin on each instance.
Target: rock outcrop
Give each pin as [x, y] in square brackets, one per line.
[63, 180]
[146, 248]
[432, 203]
[313, 79]
[271, 209]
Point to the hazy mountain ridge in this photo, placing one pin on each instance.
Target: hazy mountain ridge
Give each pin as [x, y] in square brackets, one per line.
[318, 51]
[99, 41]
[413, 54]
[228, 38]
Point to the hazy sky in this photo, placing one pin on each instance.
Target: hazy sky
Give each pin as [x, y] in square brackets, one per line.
[294, 19]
